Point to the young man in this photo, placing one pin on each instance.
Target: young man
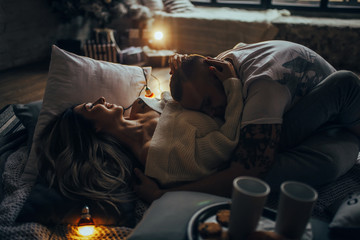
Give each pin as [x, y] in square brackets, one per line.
[290, 94]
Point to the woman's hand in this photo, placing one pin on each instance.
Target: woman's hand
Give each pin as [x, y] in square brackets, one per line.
[221, 68]
[175, 62]
[146, 189]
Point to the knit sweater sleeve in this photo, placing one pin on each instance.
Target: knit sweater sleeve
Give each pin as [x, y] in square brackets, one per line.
[188, 145]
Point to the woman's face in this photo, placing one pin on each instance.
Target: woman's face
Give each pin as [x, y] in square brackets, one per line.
[107, 117]
[104, 115]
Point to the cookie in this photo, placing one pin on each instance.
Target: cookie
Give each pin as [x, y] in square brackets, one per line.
[223, 217]
[210, 230]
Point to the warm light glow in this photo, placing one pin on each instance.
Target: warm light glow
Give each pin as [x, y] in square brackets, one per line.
[158, 35]
[86, 230]
[149, 93]
[86, 226]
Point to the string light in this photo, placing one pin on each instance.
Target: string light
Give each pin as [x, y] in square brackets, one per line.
[86, 225]
[149, 93]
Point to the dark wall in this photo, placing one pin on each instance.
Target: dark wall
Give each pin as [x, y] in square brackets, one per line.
[29, 28]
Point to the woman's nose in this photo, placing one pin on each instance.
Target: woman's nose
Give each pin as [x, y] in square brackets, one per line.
[99, 101]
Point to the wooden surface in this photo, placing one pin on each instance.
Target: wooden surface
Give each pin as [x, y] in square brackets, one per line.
[27, 84]
[23, 85]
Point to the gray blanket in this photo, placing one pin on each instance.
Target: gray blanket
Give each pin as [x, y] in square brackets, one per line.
[15, 196]
[13, 157]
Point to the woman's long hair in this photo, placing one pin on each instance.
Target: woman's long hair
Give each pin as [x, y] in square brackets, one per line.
[83, 164]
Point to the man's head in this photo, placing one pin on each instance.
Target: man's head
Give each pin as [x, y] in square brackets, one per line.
[195, 87]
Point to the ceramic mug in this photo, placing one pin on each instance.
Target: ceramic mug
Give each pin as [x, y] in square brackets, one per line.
[248, 199]
[295, 207]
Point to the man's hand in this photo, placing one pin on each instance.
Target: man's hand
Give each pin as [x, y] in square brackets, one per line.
[147, 189]
[175, 62]
[221, 68]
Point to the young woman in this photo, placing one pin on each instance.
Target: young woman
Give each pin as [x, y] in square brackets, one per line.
[90, 150]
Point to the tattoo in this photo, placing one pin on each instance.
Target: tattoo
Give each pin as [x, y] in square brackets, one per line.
[303, 72]
[257, 146]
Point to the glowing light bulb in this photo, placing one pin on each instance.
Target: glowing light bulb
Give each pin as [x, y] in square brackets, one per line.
[86, 225]
[158, 35]
[149, 93]
[86, 230]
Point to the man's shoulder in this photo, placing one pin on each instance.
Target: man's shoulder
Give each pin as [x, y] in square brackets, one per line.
[271, 47]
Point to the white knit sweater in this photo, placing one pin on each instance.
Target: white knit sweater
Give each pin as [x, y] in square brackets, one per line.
[188, 145]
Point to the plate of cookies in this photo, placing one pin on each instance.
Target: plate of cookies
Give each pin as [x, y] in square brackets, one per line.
[212, 221]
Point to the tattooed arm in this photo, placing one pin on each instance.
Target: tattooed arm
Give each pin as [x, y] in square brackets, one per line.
[257, 147]
[253, 157]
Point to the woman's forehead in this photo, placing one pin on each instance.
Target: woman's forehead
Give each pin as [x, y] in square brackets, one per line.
[80, 108]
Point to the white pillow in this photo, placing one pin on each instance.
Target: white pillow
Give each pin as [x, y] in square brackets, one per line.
[74, 79]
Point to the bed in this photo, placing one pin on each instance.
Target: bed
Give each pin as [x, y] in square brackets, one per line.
[206, 30]
[30, 211]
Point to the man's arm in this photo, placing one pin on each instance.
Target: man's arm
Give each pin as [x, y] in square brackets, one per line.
[257, 147]
[253, 157]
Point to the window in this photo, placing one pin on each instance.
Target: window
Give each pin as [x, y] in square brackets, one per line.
[344, 3]
[320, 5]
[240, 1]
[300, 3]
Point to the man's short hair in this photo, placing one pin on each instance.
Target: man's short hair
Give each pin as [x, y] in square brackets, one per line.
[185, 73]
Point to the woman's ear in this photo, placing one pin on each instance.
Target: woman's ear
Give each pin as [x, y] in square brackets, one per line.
[98, 128]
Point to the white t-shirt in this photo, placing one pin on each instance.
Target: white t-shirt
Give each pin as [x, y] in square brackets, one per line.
[275, 75]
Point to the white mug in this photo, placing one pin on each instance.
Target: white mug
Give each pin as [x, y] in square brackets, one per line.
[248, 199]
[295, 207]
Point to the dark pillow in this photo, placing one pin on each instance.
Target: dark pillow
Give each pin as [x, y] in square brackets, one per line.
[171, 213]
[47, 206]
[347, 218]
[28, 115]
